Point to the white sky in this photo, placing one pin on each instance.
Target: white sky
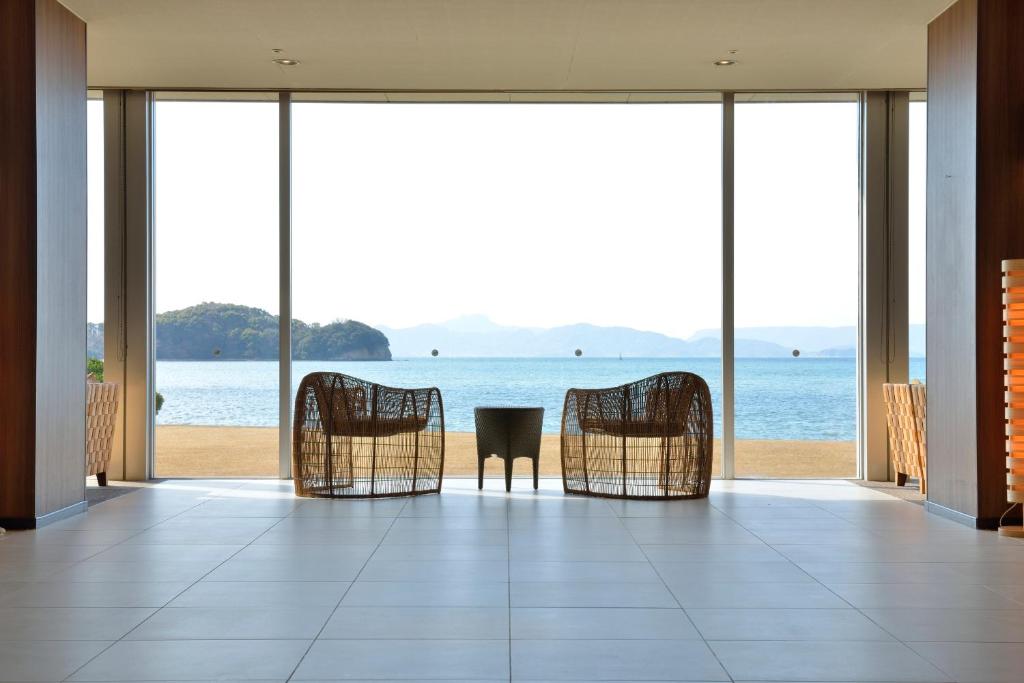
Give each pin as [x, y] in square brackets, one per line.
[918, 173]
[534, 215]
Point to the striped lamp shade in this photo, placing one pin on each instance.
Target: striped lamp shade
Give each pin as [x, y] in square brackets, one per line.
[1013, 366]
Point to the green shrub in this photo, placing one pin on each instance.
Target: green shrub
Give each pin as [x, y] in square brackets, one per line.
[94, 367]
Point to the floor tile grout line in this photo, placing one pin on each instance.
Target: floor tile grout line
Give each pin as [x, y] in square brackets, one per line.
[345, 593]
[813, 578]
[508, 557]
[137, 532]
[180, 593]
[676, 598]
[853, 607]
[122, 542]
[508, 507]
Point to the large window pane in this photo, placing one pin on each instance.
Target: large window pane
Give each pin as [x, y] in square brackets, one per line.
[94, 265]
[916, 265]
[796, 287]
[506, 238]
[216, 184]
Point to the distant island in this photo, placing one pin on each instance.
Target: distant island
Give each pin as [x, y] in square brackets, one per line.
[213, 331]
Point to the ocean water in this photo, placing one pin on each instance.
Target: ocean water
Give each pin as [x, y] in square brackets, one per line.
[776, 398]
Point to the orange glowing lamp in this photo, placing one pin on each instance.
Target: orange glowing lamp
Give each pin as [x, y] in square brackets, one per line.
[1013, 367]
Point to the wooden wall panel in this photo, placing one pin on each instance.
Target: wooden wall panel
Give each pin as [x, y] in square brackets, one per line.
[61, 229]
[17, 273]
[975, 219]
[951, 201]
[42, 260]
[1000, 233]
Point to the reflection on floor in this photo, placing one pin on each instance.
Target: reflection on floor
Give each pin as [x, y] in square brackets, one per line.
[781, 581]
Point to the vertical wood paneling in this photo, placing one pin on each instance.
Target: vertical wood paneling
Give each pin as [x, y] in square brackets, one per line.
[17, 258]
[1000, 235]
[42, 259]
[975, 219]
[61, 230]
[951, 182]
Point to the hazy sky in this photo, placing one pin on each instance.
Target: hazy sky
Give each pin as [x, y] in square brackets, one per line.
[535, 215]
[918, 173]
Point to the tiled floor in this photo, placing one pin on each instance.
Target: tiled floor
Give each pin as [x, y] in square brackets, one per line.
[766, 581]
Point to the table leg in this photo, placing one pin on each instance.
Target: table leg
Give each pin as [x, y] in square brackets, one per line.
[508, 474]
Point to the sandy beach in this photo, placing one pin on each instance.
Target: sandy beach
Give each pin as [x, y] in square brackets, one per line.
[196, 451]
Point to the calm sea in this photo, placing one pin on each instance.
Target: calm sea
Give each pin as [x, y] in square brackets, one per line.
[776, 398]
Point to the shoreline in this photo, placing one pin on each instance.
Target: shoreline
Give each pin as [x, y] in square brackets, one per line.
[217, 451]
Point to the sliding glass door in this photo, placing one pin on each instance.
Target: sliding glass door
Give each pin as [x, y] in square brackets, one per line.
[216, 287]
[796, 286]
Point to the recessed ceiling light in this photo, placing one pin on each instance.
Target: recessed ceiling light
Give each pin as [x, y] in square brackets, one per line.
[286, 62]
[725, 62]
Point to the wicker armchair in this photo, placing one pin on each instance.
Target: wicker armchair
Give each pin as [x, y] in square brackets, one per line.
[906, 413]
[357, 439]
[100, 414]
[651, 439]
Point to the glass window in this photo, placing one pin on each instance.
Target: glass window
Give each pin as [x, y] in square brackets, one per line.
[796, 287]
[533, 247]
[216, 253]
[916, 265]
[94, 265]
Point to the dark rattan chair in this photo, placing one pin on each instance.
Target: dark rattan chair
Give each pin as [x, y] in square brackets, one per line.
[651, 439]
[357, 439]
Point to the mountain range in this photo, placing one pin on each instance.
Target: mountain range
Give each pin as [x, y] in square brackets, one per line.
[227, 331]
[478, 336]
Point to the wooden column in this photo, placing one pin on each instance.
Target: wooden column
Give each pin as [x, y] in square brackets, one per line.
[975, 219]
[42, 262]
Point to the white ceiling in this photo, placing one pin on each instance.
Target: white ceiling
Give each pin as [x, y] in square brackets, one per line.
[508, 44]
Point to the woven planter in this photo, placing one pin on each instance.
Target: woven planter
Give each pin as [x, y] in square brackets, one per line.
[100, 416]
[906, 414]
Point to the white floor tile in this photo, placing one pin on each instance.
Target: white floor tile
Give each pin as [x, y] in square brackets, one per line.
[405, 659]
[976, 662]
[91, 594]
[261, 594]
[614, 660]
[825, 661]
[409, 623]
[595, 623]
[427, 594]
[45, 661]
[195, 660]
[785, 624]
[238, 579]
[236, 623]
[69, 623]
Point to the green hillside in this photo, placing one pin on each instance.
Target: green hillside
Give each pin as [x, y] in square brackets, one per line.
[212, 331]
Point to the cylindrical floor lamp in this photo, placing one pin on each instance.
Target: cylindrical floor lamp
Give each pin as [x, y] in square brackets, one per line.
[1013, 370]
